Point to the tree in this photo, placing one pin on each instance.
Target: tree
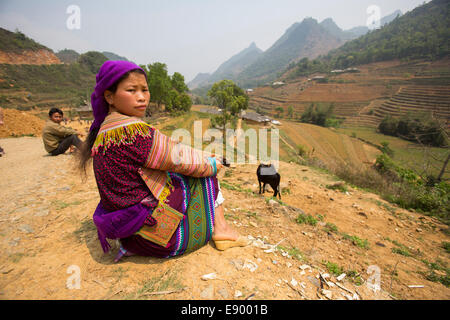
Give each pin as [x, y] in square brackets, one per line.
[230, 98]
[185, 102]
[159, 82]
[172, 101]
[178, 100]
[420, 128]
[279, 111]
[320, 115]
[167, 90]
[290, 112]
[178, 83]
[388, 125]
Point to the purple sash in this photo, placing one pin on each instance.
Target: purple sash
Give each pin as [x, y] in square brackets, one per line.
[119, 224]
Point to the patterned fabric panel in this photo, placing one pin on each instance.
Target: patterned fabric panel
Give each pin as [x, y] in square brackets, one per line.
[167, 219]
[154, 179]
[169, 155]
[120, 150]
[117, 174]
[196, 228]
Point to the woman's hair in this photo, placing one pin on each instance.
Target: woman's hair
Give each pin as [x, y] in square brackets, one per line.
[85, 154]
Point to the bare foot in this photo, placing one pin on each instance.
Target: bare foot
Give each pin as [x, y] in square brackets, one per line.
[222, 231]
[225, 233]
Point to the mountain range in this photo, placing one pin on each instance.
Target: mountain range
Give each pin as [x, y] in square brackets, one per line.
[252, 66]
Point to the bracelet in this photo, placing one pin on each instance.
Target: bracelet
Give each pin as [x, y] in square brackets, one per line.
[214, 165]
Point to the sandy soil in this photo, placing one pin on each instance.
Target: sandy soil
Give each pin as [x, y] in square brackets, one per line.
[18, 123]
[47, 238]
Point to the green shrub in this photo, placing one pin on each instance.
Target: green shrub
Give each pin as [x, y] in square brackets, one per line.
[400, 186]
[419, 128]
[361, 243]
[386, 166]
[307, 219]
[17, 42]
[293, 252]
[401, 251]
[320, 217]
[446, 246]
[301, 151]
[330, 227]
[337, 186]
[388, 126]
[354, 277]
[409, 191]
[434, 277]
[321, 115]
[386, 149]
[332, 123]
[334, 268]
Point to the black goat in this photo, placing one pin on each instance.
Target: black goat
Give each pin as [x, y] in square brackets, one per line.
[268, 175]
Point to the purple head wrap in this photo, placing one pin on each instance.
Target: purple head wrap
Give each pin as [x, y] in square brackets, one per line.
[109, 73]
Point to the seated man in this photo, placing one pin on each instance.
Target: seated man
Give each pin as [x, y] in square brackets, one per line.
[57, 138]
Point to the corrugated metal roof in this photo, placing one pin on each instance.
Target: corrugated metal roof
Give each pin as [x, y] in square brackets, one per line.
[254, 116]
[210, 110]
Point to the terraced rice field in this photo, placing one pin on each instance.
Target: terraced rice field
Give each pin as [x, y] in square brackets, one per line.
[331, 147]
[418, 99]
[364, 98]
[411, 155]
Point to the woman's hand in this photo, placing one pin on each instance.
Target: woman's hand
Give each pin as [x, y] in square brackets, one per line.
[219, 164]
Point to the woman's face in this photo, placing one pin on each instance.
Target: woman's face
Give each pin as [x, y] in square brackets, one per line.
[131, 97]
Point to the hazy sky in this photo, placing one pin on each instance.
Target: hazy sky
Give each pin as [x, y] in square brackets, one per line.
[190, 36]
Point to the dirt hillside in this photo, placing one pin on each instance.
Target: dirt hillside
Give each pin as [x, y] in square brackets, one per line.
[18, 123]
[29, 57]
[47, 236]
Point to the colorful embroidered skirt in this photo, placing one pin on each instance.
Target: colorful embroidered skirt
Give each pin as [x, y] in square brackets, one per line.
[194, 197]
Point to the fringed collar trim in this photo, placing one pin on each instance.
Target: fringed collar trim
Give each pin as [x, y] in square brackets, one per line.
[119, 129]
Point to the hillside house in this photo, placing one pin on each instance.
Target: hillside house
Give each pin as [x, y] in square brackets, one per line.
[85, 112]
[352, 70]
[254, 117]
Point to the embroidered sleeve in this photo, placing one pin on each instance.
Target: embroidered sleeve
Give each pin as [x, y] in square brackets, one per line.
[169, 155]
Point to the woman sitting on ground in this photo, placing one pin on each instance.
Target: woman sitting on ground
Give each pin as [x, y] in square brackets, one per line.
[136, 172]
